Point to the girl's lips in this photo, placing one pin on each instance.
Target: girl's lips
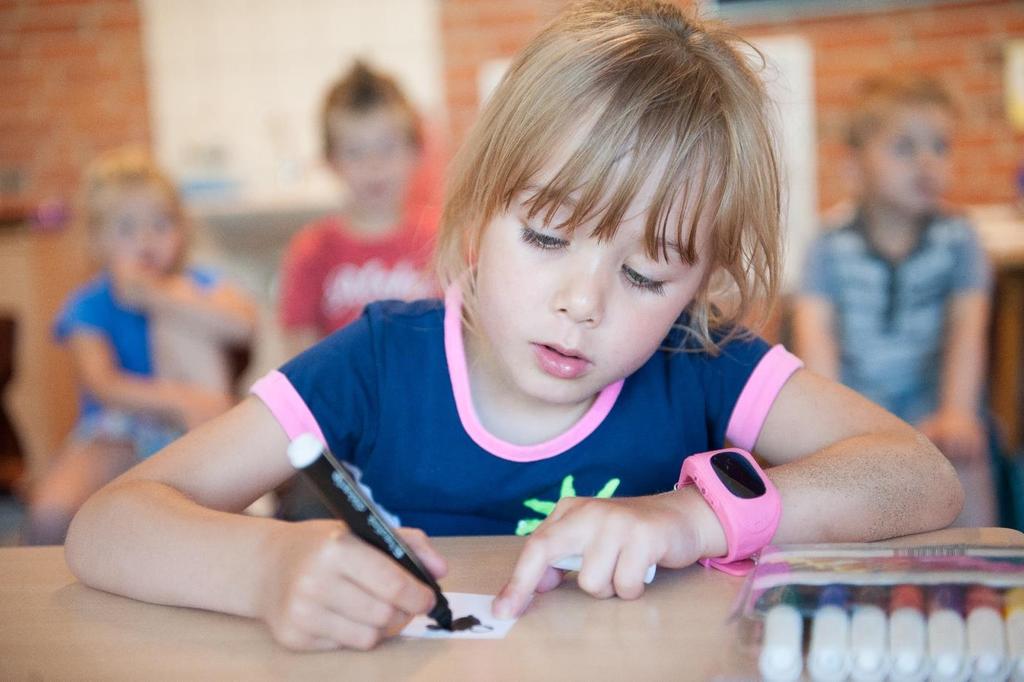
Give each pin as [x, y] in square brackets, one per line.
[559, 363]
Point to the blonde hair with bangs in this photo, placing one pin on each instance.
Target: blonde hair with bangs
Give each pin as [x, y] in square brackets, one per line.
[664, 92]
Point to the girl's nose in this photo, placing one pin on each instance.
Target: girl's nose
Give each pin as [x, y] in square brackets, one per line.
[581, 298]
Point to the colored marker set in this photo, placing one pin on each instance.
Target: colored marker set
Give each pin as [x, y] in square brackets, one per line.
[870, 612]
[906, 632]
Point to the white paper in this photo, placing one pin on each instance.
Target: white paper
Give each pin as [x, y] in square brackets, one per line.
[463, 604]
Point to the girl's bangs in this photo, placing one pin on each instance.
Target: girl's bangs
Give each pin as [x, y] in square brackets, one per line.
[603, 175]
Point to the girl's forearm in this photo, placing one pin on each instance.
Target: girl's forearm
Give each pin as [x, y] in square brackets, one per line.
[966, 353]
[200, 558]
[867, 488]
[861, 489]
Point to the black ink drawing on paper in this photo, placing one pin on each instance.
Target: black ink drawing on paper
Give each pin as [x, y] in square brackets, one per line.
[471, 623]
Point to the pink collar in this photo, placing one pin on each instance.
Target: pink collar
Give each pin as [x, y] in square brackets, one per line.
[456, 354]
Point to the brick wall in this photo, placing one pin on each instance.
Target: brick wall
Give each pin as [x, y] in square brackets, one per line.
[960, 43]
[73, 84]
[475, 31]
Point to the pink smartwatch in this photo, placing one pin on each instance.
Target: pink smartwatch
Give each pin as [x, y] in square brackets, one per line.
[745, 501]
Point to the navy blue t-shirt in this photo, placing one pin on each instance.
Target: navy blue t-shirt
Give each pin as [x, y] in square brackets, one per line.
[382, 393]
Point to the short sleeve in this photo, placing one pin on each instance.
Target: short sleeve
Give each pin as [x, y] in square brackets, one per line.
[973, 273]
[83, 311]
[740, 386]
[815, 280]
[331, 390]
[299, 301]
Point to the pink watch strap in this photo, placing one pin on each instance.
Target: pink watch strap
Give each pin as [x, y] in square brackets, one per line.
[738, 567]
[748, 521]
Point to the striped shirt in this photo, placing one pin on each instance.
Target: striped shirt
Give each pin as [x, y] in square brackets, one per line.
[890, 316]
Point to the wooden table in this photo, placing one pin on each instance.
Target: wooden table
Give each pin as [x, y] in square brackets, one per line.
[52, 627]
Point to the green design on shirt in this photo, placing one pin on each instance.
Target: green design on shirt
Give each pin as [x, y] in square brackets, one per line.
[545, 507]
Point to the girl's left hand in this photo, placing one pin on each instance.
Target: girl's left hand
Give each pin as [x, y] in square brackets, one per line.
[618, 539]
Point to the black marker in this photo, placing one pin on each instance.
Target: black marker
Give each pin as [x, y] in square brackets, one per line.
[346, 500]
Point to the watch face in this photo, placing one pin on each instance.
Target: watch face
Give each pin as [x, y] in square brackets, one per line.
[737, 474]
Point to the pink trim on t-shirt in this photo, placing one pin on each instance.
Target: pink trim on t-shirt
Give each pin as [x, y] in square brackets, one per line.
[287, 406]
[456, 354]
[758, 394]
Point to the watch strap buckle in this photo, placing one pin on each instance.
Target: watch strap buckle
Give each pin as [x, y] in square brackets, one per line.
[738, 567]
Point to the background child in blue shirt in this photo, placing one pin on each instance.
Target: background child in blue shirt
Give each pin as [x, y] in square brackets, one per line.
[621, 174]
[895, 302]
[148, 338]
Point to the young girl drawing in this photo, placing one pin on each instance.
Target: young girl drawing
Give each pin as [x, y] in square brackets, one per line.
[622, 172]
[148, 337]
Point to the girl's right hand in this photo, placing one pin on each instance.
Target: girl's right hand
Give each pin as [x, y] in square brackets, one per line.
[327, 589]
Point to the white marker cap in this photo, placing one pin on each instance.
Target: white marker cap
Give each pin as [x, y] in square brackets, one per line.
[781, 658]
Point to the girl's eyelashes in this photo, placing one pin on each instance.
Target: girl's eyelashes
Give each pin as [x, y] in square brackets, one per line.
[647, 284]
[541, 240]
[633, 278]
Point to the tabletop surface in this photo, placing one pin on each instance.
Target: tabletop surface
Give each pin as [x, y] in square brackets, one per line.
[52, 627]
